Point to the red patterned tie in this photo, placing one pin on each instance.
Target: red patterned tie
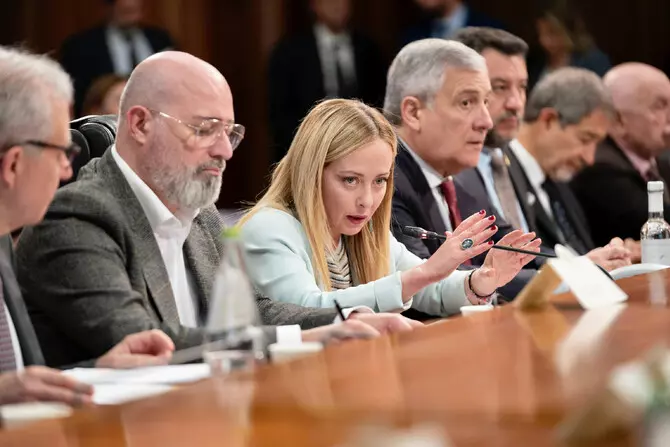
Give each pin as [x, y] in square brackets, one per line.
[7, 354]
[449, 192]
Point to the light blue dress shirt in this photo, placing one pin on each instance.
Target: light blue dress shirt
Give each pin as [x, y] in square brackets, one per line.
[486, 171]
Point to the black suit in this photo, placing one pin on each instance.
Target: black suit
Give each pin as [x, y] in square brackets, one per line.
[538, 220]
[614, 194]
[86, 56]
[425, 28]
[296, 82]
[414, 205]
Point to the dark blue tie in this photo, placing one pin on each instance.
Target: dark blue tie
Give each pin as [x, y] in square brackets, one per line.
[562, 219]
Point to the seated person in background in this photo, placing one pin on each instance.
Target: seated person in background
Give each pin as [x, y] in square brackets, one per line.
[104, 96]
[444, 18]
[134, 243]
[436, 98]
[321, 231]
[567, 115]
[505, 183]
[116, 46]
[330, 60]
[613, 192]
[35, 148]
[565, 42]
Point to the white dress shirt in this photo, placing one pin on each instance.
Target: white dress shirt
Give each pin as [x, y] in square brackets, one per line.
[119, 49]
[434, 180]
[486, 171]
[536, 176]
[16, 346]
[170, 232]
[326, 41]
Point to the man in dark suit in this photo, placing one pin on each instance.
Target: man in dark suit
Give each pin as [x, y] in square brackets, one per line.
[613, 192]
[330, 60]
[489, 184]
[439, 136]
[135, 242]
[115, 47]
[35, 151]
[445, 18]
[567, 115]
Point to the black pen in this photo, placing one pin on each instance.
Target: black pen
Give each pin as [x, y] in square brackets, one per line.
[339, 310]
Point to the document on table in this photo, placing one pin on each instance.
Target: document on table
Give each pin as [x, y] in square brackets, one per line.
[163, 375]
[116, 386]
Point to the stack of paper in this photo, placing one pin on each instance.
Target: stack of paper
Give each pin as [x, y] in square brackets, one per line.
[115, 386]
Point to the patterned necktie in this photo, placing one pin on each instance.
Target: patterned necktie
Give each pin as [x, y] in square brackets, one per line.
[449, 192]
[7, 354]
[502, 183]
[653, 175]
[562, 218]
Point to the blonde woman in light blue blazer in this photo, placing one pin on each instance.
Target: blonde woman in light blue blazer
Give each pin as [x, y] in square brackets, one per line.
[322, 230]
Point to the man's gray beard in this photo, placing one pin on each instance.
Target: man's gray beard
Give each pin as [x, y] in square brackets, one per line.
[180, 185]
[185, 190]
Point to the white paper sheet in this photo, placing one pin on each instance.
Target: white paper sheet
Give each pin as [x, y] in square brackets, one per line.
[114, 394]
[159, 375]
[588, 283]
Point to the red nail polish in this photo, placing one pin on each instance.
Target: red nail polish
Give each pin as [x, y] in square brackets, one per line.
[492, 217]
[482, 212]
[494, 228]
[490, 242]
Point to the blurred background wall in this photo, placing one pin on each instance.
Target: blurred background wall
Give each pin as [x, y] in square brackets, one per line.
[238, 35]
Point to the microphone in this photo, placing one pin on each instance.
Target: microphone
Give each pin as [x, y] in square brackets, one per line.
[420, 233]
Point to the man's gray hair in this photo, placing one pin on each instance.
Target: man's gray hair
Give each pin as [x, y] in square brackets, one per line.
[27, 83]
[574, 93]
[419, 69]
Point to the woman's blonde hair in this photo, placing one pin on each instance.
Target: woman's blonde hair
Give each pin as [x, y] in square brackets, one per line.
[332, 130]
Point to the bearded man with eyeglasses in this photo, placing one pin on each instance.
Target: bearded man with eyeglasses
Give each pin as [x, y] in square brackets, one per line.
[134, 243]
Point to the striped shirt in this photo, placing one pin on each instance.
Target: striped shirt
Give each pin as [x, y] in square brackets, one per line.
[338, 266]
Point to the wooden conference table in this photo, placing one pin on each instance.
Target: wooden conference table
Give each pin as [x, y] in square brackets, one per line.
[499, 378]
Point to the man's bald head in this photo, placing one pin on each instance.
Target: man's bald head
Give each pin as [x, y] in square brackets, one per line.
[641, 96]
[174, 78]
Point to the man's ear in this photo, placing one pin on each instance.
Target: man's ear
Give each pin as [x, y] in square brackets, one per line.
[410, 111]
[12, 164]
[139, 123]
[548, 117]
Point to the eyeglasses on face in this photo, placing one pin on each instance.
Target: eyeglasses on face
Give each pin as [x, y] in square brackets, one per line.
[70, 151]
[210, 130]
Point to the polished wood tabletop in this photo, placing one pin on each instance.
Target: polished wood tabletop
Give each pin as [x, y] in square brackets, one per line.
[500, 378]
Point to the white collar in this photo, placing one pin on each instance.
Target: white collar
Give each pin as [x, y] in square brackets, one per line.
[531, 167]
[327, 37]
[432, 176]
[160, 217]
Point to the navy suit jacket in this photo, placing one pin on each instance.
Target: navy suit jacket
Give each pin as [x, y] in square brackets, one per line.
[414, 205]
[620, 209]
[538, 220]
